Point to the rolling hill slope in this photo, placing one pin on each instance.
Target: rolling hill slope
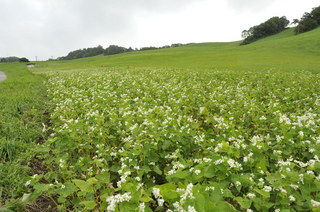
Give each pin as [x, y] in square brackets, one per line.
[284, 51]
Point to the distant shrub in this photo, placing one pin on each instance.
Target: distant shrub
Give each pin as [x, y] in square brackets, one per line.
[9, 59]
[148, 48]
[23, 60]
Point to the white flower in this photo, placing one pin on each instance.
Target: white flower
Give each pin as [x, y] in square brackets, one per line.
[197, 171]
[310, 172]
[178, 207]
[28, 183]
[157, 195]
[238, 183]
[141, 207]
[262, 118]
[139, 186]
[234, 164]
[114, 200]
[267, 188]
[207, 160]
[217, 162]
[301, 133]
[315, 203]
[251, 195]
[191, 209]
[187, 194]
[282, 190]
[138, 179]
[209, 188]
[295, 187]
[312, 150]
[292, 198]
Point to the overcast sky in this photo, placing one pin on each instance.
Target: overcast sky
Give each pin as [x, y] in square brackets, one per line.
[52, 28]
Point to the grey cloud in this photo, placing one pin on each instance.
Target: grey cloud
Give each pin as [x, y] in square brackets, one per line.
[54, 27]
[250, 5]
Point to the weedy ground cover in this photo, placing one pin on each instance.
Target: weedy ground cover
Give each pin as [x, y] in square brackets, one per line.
[182, 140]
[21, 117]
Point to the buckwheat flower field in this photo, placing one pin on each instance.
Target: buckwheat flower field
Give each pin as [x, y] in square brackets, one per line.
[179, 140]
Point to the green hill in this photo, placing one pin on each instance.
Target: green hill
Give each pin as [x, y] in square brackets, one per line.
[285, 51]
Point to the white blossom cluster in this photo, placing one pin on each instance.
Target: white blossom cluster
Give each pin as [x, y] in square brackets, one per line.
[142, 125]
[116, 199]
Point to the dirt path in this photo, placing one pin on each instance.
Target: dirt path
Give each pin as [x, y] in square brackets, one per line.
[2, 76]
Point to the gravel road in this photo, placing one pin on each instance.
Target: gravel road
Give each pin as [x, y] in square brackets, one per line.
[2, 76]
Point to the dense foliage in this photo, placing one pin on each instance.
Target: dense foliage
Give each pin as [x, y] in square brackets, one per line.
[9, 59]
[80, 53]
[23, 60]
[114, 49]
[271, 26]
[309, 21]
[177, 140]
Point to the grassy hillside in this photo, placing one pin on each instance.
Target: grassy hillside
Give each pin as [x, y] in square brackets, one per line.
[284, 51]
[22, 108]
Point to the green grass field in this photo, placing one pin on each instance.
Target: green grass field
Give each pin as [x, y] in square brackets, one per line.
[22, 107]
[202, 127]
[284, 51]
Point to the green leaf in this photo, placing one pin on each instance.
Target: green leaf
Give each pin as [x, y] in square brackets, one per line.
[62, 199]
[245, 203]
[84, 186]
[262, 193]
[145, 198]
[92, 181]
[209, 171]
[224, 206]
[262, 164]
[203, 110]
[157, 170]
[200, 202]
[168, 191]
[90, 205]
[180, 174]
[103, 177]
[41, 187]
[69, 189]
[128, 187]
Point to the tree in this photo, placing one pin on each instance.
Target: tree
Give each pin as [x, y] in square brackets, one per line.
[271, 26]
[245, 34]
[9, 59]
[23, 60]
[114, 49]
[309, 21]
[295, 21]
[86, 52]
[315, 14]
[306, 23]
[148, 48]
